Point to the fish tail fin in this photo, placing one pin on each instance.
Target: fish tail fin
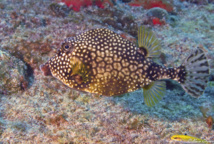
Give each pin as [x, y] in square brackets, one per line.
[194, 73]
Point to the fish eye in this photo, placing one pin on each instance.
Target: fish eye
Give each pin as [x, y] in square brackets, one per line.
[66, 46]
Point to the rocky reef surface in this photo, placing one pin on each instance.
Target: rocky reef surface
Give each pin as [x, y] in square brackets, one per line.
[39, 109]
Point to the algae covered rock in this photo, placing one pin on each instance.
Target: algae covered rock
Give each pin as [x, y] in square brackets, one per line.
[59, 10]
[12, 74]
[158, 13]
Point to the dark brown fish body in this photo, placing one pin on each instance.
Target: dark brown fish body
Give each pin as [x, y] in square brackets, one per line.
[100, 61]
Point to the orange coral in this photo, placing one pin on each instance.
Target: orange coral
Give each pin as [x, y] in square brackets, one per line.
[157, 21]
[148, 4]
[209, 121]
[77, 4]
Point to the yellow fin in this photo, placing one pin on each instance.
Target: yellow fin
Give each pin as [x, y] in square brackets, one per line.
[75, 68]
[81, 69]
[154, 92]
[148, 44]
[187, 138]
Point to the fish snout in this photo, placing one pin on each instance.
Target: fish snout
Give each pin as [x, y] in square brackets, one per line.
[45, 69]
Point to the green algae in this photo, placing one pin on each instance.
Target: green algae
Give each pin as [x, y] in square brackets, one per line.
[211, 84]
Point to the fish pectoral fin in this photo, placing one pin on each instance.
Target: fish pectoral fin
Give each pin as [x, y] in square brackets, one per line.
[154, 92]
[148, 44]
[81, 71]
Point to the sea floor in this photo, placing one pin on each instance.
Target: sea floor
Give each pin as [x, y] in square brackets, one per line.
[40, 109]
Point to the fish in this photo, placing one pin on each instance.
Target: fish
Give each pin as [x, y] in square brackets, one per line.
[100, 61]
[187, 138]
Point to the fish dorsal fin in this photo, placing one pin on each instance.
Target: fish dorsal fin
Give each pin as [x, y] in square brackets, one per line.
[148, 44]
[154, 92]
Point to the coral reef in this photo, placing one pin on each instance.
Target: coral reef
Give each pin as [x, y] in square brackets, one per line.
[157, 16]
[46, 111]
[12, 74]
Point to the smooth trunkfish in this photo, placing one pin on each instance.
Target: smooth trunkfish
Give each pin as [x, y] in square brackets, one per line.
[102, 62]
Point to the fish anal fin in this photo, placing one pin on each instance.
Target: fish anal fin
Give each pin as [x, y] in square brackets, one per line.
[154, 92]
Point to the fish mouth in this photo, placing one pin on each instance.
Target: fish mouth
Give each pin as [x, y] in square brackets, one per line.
[45, 69]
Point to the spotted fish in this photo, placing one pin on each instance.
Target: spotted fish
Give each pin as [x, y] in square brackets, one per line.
[101, 61]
